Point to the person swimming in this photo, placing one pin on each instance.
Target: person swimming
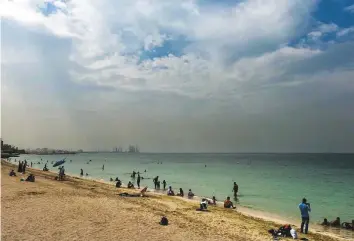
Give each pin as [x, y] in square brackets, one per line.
[228, 203]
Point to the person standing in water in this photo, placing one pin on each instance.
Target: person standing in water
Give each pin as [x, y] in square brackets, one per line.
[103, 167]
[138, 181]
[81, 172]
[155, 180]
[164, 184]
[235, 189]
[305, 217]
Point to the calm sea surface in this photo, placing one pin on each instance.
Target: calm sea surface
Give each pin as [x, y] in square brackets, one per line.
[274, 183]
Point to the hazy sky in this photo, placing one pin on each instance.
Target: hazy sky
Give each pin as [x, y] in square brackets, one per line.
[179, 75]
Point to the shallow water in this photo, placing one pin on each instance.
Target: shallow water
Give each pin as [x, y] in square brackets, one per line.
[274, 183]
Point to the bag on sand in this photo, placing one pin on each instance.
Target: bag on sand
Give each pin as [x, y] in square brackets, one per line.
[164, 221]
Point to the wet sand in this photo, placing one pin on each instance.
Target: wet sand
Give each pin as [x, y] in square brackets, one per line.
[78, 209]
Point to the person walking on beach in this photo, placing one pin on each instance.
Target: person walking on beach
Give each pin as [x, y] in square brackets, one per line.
[305, 217]
[235, 189]
[138, 181]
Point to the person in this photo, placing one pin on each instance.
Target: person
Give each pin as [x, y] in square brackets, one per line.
[30, 178]
[24, 167]
[118, 183]
[164, 184]
[305, 217]
[86, 174]
[19, 166]
[214, 200]
[347, 225]
[204, 204]
[335, 223]
[158, 185]
[228, 203]
[181, 193]
[45, 168]
[103, 167]
[111, 179]
[325, 222]
[235, 189]
[170, 192]
[81, 172]
[130, 184]
[117, 179]
[155, 180]
[190, 194]
[12, 173]
[31, 164]
[138, 181]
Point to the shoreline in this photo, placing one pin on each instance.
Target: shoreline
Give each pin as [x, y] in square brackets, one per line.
[269, 219]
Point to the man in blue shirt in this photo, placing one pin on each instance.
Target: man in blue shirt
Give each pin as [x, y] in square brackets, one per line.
[305, 217]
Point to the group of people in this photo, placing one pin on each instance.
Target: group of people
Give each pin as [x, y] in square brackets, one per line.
[337, 223]
[22, 166]
[305, 209]
[157, 183]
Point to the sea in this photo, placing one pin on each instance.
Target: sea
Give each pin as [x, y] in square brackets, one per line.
[272, 183]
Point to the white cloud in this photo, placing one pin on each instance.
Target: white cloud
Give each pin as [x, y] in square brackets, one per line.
[350, 8]
[345, 32]
[85, 62]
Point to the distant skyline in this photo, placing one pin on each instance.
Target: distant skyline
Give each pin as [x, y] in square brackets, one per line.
[178, 76]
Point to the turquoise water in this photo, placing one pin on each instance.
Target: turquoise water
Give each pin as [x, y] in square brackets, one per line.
[274, 183]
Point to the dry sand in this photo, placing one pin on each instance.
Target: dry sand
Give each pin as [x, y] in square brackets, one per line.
[78, 209]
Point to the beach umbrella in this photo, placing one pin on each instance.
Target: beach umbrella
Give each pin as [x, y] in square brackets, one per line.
[58, 163]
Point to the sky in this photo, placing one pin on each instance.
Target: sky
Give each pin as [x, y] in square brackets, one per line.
[178, 75]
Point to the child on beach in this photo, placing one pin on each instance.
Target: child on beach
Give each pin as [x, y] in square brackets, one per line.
[12, 173]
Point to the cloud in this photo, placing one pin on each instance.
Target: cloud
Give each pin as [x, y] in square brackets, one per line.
[350, 8]
[88, 74]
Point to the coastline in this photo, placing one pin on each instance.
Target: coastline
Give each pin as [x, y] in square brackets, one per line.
[254, 224]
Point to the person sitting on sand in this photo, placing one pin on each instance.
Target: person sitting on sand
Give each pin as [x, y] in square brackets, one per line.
[335, 223]
[190, 194]
[30, 178]
[228, 203]
[181, 193]
[347, 225]
[118, 183]
[170, 192]
[130, 184]
[204, 204]
[325, 222]
[12, 173]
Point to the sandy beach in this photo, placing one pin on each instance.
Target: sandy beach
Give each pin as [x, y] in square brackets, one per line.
[78, 209]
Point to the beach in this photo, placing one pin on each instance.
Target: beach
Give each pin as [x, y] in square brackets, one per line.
[78, 209]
